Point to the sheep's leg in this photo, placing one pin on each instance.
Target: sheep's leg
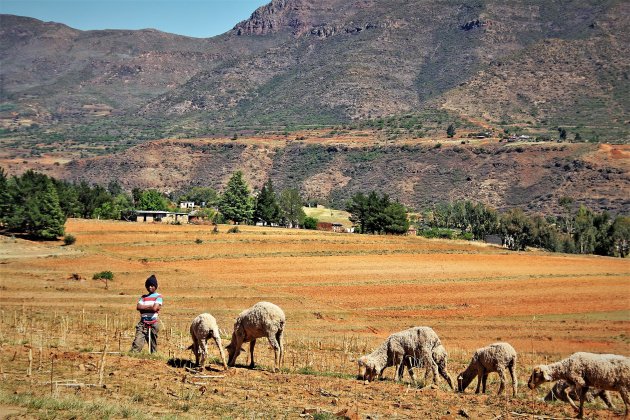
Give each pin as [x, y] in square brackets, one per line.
[605, 396]
[484, 380]
[276, 351]
[410, 370]
[514, 380]
[217, 341]
[567, 395]
[480, 373]
[501, 373]
[428, 361]
[251, 353]
[625, 396]
[203, 344]
[235, 346]
[280, 339]
[582, 394]
[444, 372]
[399, 364]
[195, 349]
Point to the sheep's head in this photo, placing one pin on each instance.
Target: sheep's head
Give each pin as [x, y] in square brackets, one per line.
[367, 369]
[540, 374]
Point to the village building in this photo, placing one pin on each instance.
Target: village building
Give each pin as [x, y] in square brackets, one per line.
[159, 216]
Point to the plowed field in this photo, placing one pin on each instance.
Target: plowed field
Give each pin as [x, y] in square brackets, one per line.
[343, 295]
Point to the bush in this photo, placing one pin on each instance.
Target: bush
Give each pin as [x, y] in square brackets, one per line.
[198, 241]
[103, 275]
[69, 239]
[310, 223]
[233, 229]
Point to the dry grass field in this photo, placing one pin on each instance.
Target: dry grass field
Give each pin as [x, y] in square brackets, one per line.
[342, 294]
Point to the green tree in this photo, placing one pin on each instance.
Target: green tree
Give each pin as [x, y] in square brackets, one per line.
[395, 219]
[562, 133]
[152, 200]
[516, 229]
[620, 236]
[114, 209]
[68, 199]
[200, 195]
[450, 131]
[291, 209]
[267, 208]
[35, 208]
[357, 207]
[5, 196]
[585, 234]
[236, 203]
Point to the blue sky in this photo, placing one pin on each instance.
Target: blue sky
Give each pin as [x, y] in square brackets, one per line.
[197, 18]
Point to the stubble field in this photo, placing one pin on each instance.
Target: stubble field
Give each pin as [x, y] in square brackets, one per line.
[342, 294]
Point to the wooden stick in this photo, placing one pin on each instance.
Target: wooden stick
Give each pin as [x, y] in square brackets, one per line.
[102, 367]
[29, 371]
[52, 368]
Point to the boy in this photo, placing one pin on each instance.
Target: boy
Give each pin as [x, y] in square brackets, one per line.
[149, 306]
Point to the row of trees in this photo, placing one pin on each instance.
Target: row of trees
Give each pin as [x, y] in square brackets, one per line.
[579, 231]
[38, 205]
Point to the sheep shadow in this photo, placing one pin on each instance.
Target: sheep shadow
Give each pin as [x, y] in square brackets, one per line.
[188, 364]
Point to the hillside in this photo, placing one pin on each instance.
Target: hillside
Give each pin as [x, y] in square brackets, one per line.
[331, 168]
[530, 66]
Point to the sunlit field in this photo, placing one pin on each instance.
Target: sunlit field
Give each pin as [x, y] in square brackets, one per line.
[343, 294]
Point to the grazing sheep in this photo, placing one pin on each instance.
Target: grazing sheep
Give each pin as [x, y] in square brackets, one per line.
[440, 356]
[562, 390]
[493, 358]
[583, 370]
[412, 346]
[264, 319]
[202, 328]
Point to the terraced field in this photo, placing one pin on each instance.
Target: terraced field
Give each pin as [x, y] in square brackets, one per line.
[342, 294]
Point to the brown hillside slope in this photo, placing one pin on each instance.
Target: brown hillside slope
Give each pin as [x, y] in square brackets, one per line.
[532, 176]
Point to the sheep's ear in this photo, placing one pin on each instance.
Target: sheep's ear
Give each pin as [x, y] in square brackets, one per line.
[547, 376]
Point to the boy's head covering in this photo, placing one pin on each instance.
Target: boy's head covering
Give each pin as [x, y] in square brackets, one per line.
[151, 281]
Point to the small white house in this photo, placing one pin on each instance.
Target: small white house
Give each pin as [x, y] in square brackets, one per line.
[187, 205]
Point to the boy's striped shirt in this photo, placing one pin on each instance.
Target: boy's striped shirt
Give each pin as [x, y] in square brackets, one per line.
[149, 316]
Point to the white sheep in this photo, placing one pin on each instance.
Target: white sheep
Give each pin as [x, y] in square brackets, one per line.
[496, 357]
[440, 356]
[414, 346]
[583, 370]
[203, 327]
[563, 391]
[264, 319]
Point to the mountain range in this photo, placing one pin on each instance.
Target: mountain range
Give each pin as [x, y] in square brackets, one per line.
[528, 67]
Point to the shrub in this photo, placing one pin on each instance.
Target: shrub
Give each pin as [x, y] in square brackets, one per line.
[310, 223]
[198, 241]
[233, 229]
[69, 239]
[103, 275]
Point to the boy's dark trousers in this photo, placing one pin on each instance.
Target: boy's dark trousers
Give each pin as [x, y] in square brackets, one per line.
[142, 336]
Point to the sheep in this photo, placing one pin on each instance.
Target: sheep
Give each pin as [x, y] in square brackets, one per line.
[583, 370]
[203, 327]
[264, 319]
[493, 358]
[440, 356]
[400, 349]
[563, 390]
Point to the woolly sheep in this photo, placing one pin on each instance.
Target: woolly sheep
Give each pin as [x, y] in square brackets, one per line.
[264, 319]
[583, 370]
[440, 356]
[202, 328]
[562, 390]
[415, 344]
[493, 358]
